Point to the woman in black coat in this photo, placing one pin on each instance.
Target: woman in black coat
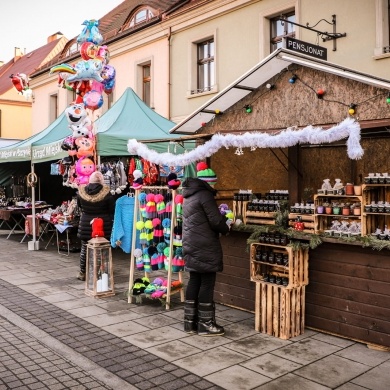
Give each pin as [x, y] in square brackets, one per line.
[95, 201]
[202, 225]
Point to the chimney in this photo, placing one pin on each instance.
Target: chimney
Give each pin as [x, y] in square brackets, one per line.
[54, 37]
[18, 53]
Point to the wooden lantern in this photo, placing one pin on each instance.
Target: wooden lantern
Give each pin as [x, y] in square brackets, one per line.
[99, 278]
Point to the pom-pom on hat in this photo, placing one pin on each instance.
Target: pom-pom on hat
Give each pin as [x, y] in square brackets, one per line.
[96, 177]
[205, 173]
[172, 181]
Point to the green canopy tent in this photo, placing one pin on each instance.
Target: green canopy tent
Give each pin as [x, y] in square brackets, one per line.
[131, 118]
[41, 147]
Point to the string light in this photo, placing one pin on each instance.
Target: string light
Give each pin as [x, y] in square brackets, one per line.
[292, 79]
[320, 93]
[248, 109]
[388, 99]
[352, 109]
[270, 86]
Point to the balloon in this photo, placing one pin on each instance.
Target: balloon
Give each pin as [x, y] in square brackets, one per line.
[77, 115]
[109, 87]
[93, 100]
[90, 32]
[84, 168]
[103, 54]
[20, 81]
[90, 51]
[85, 146]
[66, 68]
[87, 70]
[108, 73]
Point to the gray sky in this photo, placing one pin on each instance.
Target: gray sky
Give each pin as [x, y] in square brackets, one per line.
[27, 24]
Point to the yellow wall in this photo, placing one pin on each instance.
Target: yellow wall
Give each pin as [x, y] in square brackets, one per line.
[15, 115]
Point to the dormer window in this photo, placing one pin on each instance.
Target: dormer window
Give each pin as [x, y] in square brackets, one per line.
[140, 16]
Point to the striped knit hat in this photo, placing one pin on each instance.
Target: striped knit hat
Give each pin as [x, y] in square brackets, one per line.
[205, 173]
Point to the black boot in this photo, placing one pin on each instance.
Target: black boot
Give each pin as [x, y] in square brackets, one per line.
[190, 317]
[206, 321]
[83, 260]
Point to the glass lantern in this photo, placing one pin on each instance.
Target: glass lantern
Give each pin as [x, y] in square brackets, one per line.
[99, 278]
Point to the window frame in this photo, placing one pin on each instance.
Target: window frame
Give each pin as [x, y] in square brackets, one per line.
[150, 14]
[265, 23]
[382, 41]
[139, 77]
[275, 39]
[193, 81]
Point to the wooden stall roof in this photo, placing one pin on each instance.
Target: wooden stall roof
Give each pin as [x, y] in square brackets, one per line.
[276, 62]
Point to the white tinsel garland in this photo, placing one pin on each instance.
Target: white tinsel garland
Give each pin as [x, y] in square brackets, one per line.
[348, 128]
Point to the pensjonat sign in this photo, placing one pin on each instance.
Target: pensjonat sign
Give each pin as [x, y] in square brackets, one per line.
[306, 48]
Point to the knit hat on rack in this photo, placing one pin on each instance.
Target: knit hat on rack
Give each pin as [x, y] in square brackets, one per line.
[96, 177]
[205, 173]
[172, 181]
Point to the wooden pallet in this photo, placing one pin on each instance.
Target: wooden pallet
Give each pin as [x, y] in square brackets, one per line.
[280, 312]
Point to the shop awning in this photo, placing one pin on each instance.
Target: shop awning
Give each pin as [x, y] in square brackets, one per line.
[41, 147]
[259, 75]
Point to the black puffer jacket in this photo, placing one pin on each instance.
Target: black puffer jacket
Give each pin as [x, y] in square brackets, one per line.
[95, 201]
[202, 224]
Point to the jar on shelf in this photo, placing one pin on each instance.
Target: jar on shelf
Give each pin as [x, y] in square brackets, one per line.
[346, 210]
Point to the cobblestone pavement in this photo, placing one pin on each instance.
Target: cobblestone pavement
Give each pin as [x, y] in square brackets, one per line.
[53, 336]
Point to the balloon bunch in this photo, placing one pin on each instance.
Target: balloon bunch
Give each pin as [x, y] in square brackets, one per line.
[21, 83]
[89, 78]
[92, 75]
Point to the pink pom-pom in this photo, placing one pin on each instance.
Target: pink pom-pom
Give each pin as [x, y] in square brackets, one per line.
[201, 166]
[179, 198]
[158, 198]
[150, 197]
[156, 222]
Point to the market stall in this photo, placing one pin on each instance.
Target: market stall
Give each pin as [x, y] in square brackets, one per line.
[292, 149]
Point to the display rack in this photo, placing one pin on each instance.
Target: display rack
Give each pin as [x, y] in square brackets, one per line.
[322, 221]
[173, 218]
[378, 217]
[281, 274]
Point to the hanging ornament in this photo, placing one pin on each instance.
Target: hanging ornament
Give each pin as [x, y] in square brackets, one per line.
[388, 99]
[239, 151]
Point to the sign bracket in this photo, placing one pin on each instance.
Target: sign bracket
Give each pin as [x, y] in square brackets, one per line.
[326, 36]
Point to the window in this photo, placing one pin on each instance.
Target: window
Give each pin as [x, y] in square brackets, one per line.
[382, 45]
[205, 66]
[142, 15]
[146, 80]
[53, 108]
[280, 29]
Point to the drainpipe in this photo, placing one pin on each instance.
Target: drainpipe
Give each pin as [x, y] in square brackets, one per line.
[169, 72]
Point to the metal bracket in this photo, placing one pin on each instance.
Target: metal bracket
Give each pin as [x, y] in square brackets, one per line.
[326, 36]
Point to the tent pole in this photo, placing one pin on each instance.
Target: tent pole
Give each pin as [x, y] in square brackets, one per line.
[34, 242]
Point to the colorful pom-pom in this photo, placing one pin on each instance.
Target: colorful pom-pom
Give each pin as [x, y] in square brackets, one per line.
[149, 224]
[139, 225]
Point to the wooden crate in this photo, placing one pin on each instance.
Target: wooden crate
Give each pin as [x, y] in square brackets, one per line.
[307, 219]
[259, 218]
[239, 208]
[297, 269]
[280, 312]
